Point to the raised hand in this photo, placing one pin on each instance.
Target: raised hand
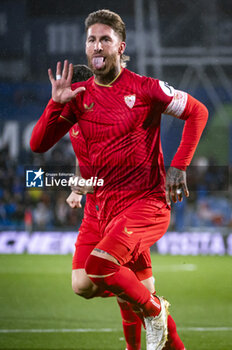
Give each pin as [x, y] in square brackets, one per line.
[61, 86]
[176, 185]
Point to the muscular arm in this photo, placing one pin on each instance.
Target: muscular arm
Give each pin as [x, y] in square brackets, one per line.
[195, 115]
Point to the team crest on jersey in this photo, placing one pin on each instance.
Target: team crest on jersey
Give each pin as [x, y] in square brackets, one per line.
[130, 100]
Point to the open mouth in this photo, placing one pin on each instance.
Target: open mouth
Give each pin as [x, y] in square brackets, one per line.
[98, 62]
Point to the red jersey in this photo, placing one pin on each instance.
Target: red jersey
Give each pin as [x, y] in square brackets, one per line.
[121, 126]
[80, 149]
[120, 123]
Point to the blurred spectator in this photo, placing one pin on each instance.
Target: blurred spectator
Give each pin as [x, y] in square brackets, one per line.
[28, 220]
[42, 213]
[42, 216]
[61, 210]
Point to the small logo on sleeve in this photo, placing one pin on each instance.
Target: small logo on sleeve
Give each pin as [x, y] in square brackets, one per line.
[130, 100]
[75, 133]
[167, 89]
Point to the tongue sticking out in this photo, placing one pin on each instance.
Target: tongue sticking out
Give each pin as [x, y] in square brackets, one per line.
[98, 62]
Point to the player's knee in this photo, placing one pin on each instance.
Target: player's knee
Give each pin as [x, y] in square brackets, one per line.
[82, 286]
[83, 290]
[77, 287]
[87, 294]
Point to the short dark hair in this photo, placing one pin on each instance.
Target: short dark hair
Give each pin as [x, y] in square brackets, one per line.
[108, 18]
[81, 73]
[112, 20]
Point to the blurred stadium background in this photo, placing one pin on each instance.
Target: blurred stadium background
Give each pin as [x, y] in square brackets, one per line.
[189, 45]
[185, 43]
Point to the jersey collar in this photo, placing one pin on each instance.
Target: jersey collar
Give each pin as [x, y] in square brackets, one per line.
[110, 84]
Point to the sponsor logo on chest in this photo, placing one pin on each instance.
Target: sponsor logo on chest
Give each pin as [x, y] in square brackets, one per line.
[130, 100]
[89, 107]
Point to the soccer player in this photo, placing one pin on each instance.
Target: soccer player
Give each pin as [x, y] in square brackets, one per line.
[119, 115]
[89, 237]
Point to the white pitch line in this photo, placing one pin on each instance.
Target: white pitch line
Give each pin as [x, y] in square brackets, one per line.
[61, 330]
[205, 329]
[175, 268]
[108, 330]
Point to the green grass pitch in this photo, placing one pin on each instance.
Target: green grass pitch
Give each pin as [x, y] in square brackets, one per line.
[38, 309]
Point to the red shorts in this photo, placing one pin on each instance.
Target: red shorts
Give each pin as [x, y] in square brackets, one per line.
[89, 236]
[142, 266]
[135, 229]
